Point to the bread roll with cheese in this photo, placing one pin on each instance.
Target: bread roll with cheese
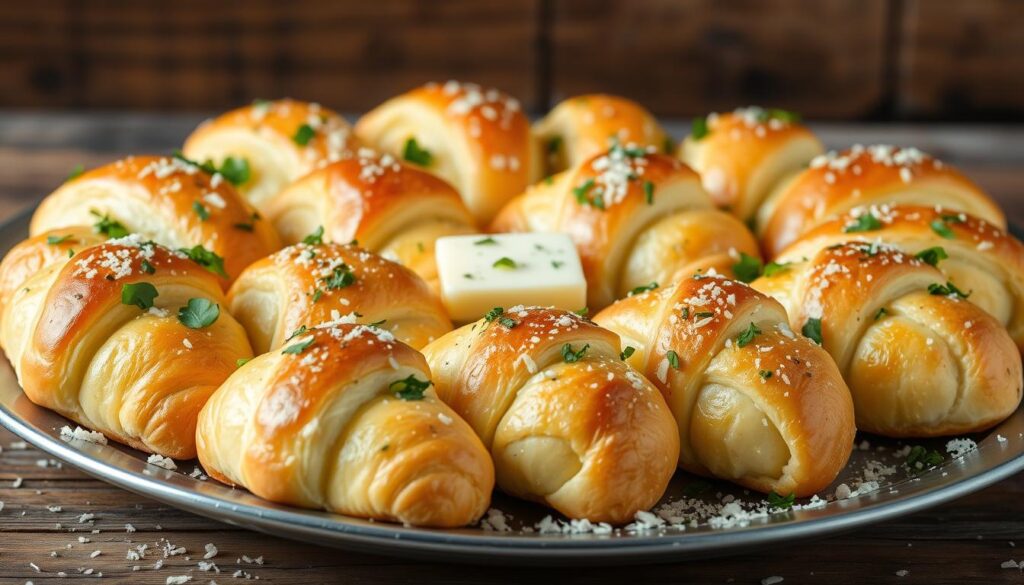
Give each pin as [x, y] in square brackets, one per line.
[639, 219]
[968, 250]
[344, 419]
[275, 142]
[126, 338]
[744, 155]
[754, 403]
[389, 208]
[475, 138]
[306, 284]
[567, 422]
[872, 175]
[587, 125]
[919, 359]
[166, 199]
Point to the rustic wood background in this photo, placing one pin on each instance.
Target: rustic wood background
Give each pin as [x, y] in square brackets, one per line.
[830, 59]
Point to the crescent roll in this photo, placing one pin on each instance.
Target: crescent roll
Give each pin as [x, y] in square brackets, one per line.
[475, 138]
[968, 250]
[306, 284]
[127, 338]
[276, 142]
[390, 208]
[169, 200]
[743, 155]
[567, 422]
[753, 402]
[871, 175]
[639, 219]
[920, 361]
[344, 419]
[586, 125]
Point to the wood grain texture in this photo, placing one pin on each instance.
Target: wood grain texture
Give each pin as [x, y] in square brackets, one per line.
[961, 542]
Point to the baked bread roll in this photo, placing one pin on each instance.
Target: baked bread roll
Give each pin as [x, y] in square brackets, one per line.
[344, 419]
[872, 175]
[753, 402]
[639, 220]
[127, 338]
[306, 284]
[275, 142]
[969, 251]
[391, 209]
[567, 422]
[586, 125]
[919, 360]
[166, 199]
[477, 139]
[36, 253]
[744, 155]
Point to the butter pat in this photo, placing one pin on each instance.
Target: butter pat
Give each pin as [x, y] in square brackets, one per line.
[480, 272]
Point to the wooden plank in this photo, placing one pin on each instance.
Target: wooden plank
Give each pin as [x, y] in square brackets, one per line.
[962, 60]
[688, 57]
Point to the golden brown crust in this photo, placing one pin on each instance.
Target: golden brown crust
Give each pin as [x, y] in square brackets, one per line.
[917, 364]
[268, 136]
[304, 285]
[873, 175]
[478, 140]
[324, 424]
[390, 208]
[746, 154]
[754, 403]
[139, 377]
[584, 434]
[636, 217]
[586, 125]
[165, 199]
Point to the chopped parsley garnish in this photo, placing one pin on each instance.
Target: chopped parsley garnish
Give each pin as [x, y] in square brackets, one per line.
[198, 313]
[248, 225]
[107, 226]
[140, 294]
[488, 241]
[778, 114]
[949, 289]
[765, 374]
[234, 170]
[747, 336]
[628, 351]
[493, 314]
[748, 268]
[703, 314]
[206, 259]
[241, 362]
[699, 128]
[505, 263]
[554, 144]
[56, 240]
[556, 264]
[686, 312]
[201, 211]
[649, 192]
[673, 358]
[582, 311]
[668, 146]
[416, 155]
[75, 173]
[570, 356]
[302, 329]
[773, 268]
[304, 134]
[507, 322]
[932, 255]
[781, 502]
[864, 223]
[881, 312]
[147, 267]
[317, 293]
[315, 238]
[411, 388]
[581, 193]
[939, 226]
[921, 458]
[643, 288]
[340, 278]
[812, 330]
[299, 347]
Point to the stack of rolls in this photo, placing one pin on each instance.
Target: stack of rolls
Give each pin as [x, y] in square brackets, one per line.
[267, 300]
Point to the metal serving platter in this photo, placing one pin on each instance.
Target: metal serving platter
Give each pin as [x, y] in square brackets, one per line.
[521, 539]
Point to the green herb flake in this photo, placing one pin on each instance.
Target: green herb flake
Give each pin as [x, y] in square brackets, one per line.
[939, 226]
[554, 144]
[140, 294]
[627, 352]
[416, 155]
[747, 336]
[773, 268]
[57, 240]
[748, 268]
[198, 313]
[76, 172]
[920, 458]
[299, 347]
[494, 314]
[411, 388]
[932, 255]
[241, 362]
[556, 264]
[781, 502]
[673, 359]
[507, 322]
[881, 312]
[147, 267]
[570, 356]
[317, 293]
[488, 241]
[235, 170]
[812, 330]
[341, 277]
[201, 211]
[301, 329]
[949, 289]
[765, 374]
[107, 226]
[206, 259]
[643, 288]
[316, 238]
[649, 192]
[864, 223]
[303, 134]
[505, 263]
[699, 128]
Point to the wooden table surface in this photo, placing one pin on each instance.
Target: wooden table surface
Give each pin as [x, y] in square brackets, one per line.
[44, 532]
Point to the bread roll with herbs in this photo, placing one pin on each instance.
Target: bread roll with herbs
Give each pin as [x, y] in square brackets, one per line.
[266, 145]
[568, 423]
[920, 360]
[475, 138]
[127, 338]
[280, 296]
[344, 419]
[639, 220]
[754, 403]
